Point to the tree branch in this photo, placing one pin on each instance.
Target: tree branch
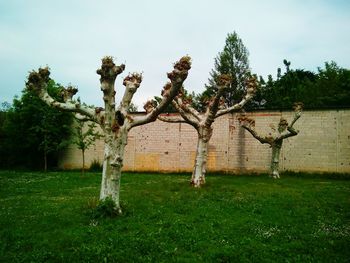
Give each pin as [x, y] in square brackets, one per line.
[171, 119]
[182, 108]
[177, 77]
[186, 106]
[214, 104]
[251, 89]
[290, 129]
[132, 83]
[249, 125]
[298, 108]
[37, 82]
[82, 118]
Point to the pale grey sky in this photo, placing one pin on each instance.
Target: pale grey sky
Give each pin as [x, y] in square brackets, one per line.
[71, 36]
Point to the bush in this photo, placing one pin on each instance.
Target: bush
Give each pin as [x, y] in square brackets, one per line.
[102, 209]
[95, 166]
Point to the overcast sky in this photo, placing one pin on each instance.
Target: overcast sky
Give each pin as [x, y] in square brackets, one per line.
[72, 36]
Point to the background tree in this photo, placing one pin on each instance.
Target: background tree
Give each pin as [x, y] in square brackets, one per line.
[233, 60]
[4, 109]
[328, 88]
[332, 86]
[274, 139]
[85, 137]
[293, 85]
[33, 133]
[202, 122]
[115, 121]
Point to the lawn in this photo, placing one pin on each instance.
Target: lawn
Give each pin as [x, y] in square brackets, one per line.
[46, 218]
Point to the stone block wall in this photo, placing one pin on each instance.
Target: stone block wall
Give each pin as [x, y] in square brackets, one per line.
[323, 145]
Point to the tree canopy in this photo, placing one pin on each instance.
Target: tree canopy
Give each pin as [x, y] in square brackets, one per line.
[33, 132]
[328, 88]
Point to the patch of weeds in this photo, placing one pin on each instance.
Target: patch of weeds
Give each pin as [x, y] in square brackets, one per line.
[95, 166]
[105, 208]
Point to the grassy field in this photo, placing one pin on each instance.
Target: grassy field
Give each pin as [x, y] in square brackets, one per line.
[45, 218]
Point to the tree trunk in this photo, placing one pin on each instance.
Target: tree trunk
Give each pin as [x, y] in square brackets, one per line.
[275, 157]
[199, 171]
[112, 166]
[83, 155]
[45, 162]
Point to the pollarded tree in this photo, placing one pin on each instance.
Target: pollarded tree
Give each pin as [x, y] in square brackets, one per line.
[115, 121]
[202, 122]
[274, 139]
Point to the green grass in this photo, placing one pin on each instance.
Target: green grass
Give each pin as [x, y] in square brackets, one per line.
[44, 218]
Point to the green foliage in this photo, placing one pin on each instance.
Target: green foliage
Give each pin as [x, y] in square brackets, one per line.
[231, 219]
[169, 109]
[104, 209]
[34, 132]
[329, 87]
[85, 137]
[233, 60]
[132, 107]
[333, 85]
[95, 166]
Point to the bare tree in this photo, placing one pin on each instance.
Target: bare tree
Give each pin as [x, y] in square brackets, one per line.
[274, 139]
[202, 122]
[115, 121]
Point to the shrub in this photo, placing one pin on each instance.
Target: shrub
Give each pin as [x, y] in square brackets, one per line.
[95, 166]
[102, 209]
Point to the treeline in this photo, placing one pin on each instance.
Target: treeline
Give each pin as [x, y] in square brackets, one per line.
[329, 87]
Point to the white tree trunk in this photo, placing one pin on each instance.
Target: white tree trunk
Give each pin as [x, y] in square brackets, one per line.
[275, 157]
[112, 166]
[200, 166]
[198, 174]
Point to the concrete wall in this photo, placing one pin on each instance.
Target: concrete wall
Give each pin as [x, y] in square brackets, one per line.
[323, 145]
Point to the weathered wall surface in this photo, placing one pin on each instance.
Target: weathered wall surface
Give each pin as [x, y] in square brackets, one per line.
[323, 145]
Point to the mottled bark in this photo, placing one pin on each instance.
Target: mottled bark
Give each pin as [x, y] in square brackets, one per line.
[115, 122]
[200, 166]
[112, 165]
[275, 160]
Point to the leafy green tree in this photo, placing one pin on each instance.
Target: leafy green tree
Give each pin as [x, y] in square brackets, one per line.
[85, 137]
[33, 132]
[5, 107]
[329, 87]
[233, 60]
[333, 86]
